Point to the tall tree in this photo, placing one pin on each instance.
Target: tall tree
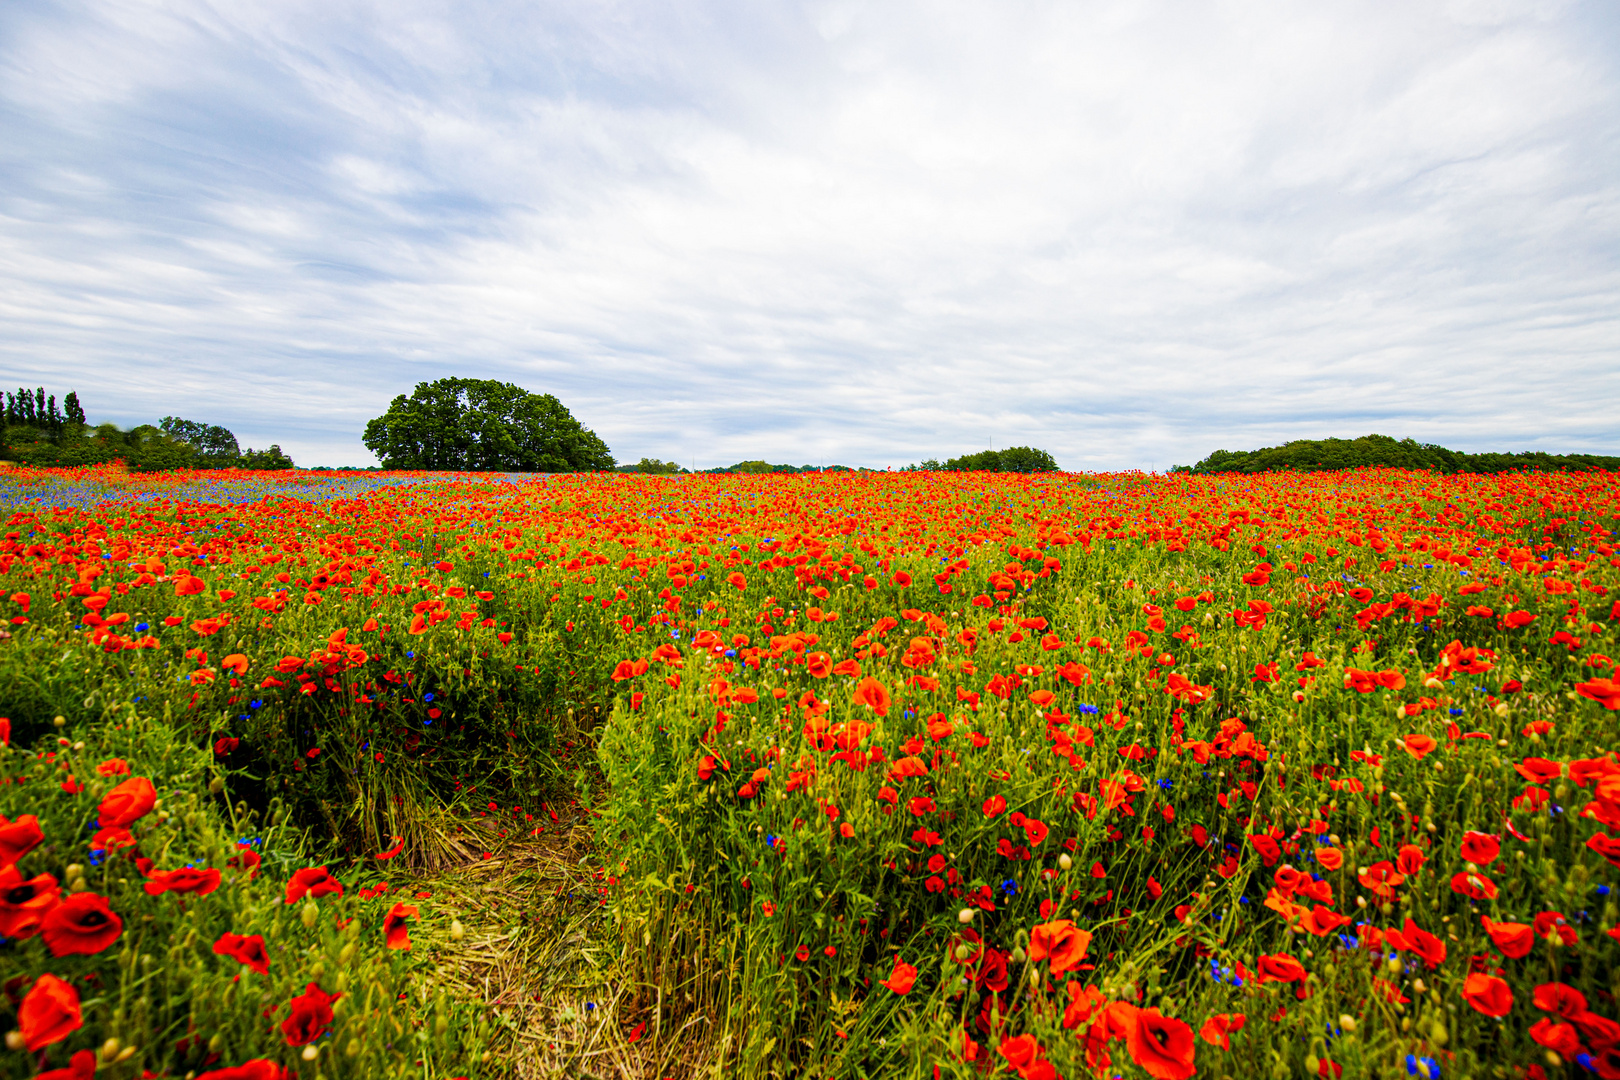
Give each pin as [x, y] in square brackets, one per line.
[481, 425]
[209, 440]
[71, 406]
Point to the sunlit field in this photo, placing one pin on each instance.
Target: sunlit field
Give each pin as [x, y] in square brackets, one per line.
[852, 775]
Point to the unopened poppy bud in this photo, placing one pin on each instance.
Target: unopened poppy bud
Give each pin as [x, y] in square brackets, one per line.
[1017, 955]
[61, 721]
[14, 1040]
[1312, 1063]
[965, 915]
[964, 951]
[308, 916]
[125, 1054]
[1064, 861]
[78, 745]
[353, 1049]
[1394, 965]
[217, 1041]
[72, 870]
[109, 1049]
[311, 1052]
[457, 931]
[347, 952]
[1347, 1022]
[441, 1024]
[216, 785]
[1420, 986]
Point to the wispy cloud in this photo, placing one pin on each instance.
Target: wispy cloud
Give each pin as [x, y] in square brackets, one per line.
[1129, 233]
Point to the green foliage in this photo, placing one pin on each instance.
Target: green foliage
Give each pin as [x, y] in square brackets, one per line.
[761, 468]
[213, 444]
[654, 467]
[1014, 459]
[265, 460]
[481, 425]
[1319, 455]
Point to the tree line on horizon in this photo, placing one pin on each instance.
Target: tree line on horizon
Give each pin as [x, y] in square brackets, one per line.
[36, 432]
[1326, 455]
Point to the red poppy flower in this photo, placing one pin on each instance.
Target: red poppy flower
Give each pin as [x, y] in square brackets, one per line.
[311, 1016]
[18, 838]
[395, 931]
[873, 694]
[1280, 967]
[1605, 692]
[1419, 746]
[127, 803]
[1539, 770]
[113, 767]
[1161, 1045]
[1409, 860]
[49, 1012]
[187, 879]
[1488, 995]
[82, 1066]
[902, 978]
[1330, 858]
[1480, 848]
[248, 951]
[23, 904]
[246, 860]
[257, 1069]
[1218, 1029]
[82, 924]
[1566, 1001]
[1559, 1038]
[1514, 939]
[315, 881]
[1060, 941]
[1606, 846]
[1551, 924]
[1475, 886]
[1414, 938]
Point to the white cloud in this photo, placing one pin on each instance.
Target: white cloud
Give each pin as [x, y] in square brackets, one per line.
[1129, 233]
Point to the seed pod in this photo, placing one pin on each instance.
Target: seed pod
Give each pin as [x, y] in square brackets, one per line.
[309, 914]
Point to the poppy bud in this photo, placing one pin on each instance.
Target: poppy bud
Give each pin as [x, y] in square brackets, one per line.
[109, 1049]
[353, 1049]
[1064, 861]
[309, 914]
[441, 1024]
[457, 931]
[965, 915]
[14, 1040]
[311, 1052]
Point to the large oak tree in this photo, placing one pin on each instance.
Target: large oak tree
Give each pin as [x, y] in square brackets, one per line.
[480, 425]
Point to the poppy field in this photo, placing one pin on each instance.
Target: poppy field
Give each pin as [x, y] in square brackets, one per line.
[916, 774]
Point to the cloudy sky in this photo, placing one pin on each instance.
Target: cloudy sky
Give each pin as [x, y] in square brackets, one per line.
[1130, 233]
